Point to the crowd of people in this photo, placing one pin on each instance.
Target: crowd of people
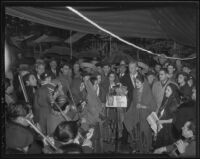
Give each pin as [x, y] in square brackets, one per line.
[67, 104]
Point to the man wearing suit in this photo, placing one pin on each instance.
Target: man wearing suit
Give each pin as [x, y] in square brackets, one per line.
[43, 100]
[122, 71]
[104, 77]
[53, 70]
[128, 80]
[40, 69]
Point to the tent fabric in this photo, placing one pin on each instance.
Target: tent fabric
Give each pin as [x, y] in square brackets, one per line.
[88, 53]
[162, 23]
[77, 36]
[47, 39]
[117, 57]
[60, 50]
[131, 23]
[179, 23]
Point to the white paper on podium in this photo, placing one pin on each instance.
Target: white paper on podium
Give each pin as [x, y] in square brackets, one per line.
[116, 101]
[152, 120]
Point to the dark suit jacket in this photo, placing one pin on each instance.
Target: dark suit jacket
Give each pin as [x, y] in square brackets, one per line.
[18, 136]
[38, 80]
[42, 106]
[102, 94]
[54, 76]
[126, 81]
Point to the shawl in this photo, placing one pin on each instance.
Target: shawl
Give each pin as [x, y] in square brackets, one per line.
[147, 100]
[94, 106]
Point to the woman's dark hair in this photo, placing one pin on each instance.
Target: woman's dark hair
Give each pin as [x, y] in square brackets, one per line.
[185, 76]
[65, 64]
[175, 91]
[164, 70]
[173, 99]
[172, 64]
[93, 79]
[140, 77]
[71, 149]
[7, 83]
[116, 79]
[19, 109]
[111, 72]
[27, 77]
[175, 96]
[66, 131]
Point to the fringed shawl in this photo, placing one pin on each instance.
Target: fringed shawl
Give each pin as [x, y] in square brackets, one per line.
[147, 100]
[94, 106]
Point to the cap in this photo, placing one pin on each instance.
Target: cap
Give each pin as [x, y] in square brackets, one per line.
[44, 75]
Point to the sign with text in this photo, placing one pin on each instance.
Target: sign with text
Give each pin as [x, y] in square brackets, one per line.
[116, 101]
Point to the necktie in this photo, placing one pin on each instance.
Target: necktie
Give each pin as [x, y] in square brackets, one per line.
[133, 80]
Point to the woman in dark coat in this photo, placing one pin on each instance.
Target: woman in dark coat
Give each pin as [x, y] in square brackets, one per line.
[135, 118]
[185, 112]
[166, 113]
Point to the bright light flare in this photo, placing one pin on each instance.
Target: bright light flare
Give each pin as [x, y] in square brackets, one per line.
[7, 61]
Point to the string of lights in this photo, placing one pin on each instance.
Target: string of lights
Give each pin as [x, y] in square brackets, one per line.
[122, 40]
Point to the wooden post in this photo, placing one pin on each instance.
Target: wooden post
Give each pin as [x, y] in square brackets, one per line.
[40, 48]
[70, 45]
[110, 46]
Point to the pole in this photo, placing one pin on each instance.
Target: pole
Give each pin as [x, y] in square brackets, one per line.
[70, 45]
[110, 46]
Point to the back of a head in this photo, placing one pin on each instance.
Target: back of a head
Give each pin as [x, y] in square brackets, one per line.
[71, 149]
[15, 110]
[66, 131]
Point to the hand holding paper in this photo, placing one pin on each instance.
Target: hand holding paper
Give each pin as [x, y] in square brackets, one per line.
[154, 122]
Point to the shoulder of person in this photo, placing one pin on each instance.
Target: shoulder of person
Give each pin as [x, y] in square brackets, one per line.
[126, 76]
[173, 82]
[156, 83]
[190, 150]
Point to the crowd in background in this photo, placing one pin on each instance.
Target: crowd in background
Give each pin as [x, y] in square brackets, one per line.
[81, 89]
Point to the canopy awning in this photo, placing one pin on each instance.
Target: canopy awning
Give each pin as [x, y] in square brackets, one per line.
[178, 23]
